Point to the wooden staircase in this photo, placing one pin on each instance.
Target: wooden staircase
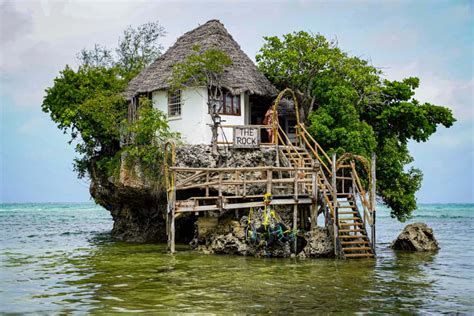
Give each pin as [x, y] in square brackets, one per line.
[343, 217]
[352, 233]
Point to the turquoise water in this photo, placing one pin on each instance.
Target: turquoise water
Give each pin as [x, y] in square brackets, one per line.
[59, 258]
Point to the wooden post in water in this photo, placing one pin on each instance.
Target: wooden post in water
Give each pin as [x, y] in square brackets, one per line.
[334, 202]
[372, 198]
[221, 199]
[295, 210]
[314, 196]
[173, 217]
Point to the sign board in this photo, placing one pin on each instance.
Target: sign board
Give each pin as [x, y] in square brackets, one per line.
[246, 137]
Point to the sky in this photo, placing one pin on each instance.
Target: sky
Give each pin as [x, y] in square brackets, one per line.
[432, 40]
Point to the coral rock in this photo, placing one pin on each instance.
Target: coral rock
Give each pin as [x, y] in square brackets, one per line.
[416, 237]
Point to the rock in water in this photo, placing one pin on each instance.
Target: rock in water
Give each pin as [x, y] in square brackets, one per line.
[319, 244]
[416, 237]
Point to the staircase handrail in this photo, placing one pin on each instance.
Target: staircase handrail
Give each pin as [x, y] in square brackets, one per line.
[326, 184]
[289, 143]
[316, 148]
[362, 194]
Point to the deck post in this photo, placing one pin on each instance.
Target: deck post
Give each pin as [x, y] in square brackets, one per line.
[295, 210]
[372, 198]
[220, 191]
[173, 218]
[168, 224]
[269, 180]
[314, 197]
[172, 232]
[334, 202]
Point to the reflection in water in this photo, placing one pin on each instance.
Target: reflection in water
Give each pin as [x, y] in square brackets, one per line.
[56, 261]
[402, 278]
[130, 277]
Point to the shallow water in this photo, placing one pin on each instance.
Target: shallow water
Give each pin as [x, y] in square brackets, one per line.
[60, 258]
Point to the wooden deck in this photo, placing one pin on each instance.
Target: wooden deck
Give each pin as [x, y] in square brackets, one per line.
[303, 174]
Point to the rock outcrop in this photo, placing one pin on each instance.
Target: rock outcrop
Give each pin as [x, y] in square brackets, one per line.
[416, 237]
[138, 207]
[230, 237]
[318, 244]
[201, 156]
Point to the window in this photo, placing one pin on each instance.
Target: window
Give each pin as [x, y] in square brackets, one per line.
[229, 104]
[174, 103]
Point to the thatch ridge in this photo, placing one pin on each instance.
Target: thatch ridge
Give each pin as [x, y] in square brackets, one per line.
[241, 76]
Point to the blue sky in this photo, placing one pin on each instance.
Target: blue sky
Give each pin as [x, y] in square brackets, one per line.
[429, 39]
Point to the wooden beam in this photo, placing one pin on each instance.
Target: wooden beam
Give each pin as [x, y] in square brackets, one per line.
[314, 197]
[248, 169]
[334, 201]
[172, 224]
[295, 210]
[373, 202]
[269, 180]
[233, 206]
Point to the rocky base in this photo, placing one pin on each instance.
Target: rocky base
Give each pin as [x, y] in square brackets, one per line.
[138, 207]
[318, 244]
[416, 237]
[201, 156]
[229, 237]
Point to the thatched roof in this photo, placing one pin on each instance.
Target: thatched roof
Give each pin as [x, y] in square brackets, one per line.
[241, 76]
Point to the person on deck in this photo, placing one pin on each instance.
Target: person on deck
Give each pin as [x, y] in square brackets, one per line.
[268, 120]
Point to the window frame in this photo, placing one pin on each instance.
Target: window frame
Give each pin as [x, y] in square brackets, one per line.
[176, 103]
[223, 104]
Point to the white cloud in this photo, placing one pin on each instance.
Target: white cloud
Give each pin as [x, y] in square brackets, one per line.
[13, 23]
[52, 34]
[457, 94]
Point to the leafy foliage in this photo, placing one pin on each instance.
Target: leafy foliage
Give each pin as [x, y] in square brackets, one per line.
[202, 68]
[139, 47]
[88, 104]
[151, 131]
[99, 56]
[350, 108]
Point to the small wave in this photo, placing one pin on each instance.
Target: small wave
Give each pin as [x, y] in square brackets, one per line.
[441, 216]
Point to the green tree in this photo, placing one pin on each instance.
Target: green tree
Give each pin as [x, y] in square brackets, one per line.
[350, 108]
[139, 47]
[88, 104]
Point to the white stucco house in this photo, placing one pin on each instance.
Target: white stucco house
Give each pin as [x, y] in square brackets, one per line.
[248, 93]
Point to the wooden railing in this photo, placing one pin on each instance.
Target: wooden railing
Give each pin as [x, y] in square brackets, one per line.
[285, 140]
[309, 142]
[241, 182]
[360, 192]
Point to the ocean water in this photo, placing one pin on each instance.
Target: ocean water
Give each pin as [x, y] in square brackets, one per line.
[60, 258]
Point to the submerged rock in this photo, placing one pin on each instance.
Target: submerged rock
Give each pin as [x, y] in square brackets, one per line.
[416, 237]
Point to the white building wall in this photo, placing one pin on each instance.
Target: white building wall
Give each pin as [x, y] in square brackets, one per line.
[193, 122]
